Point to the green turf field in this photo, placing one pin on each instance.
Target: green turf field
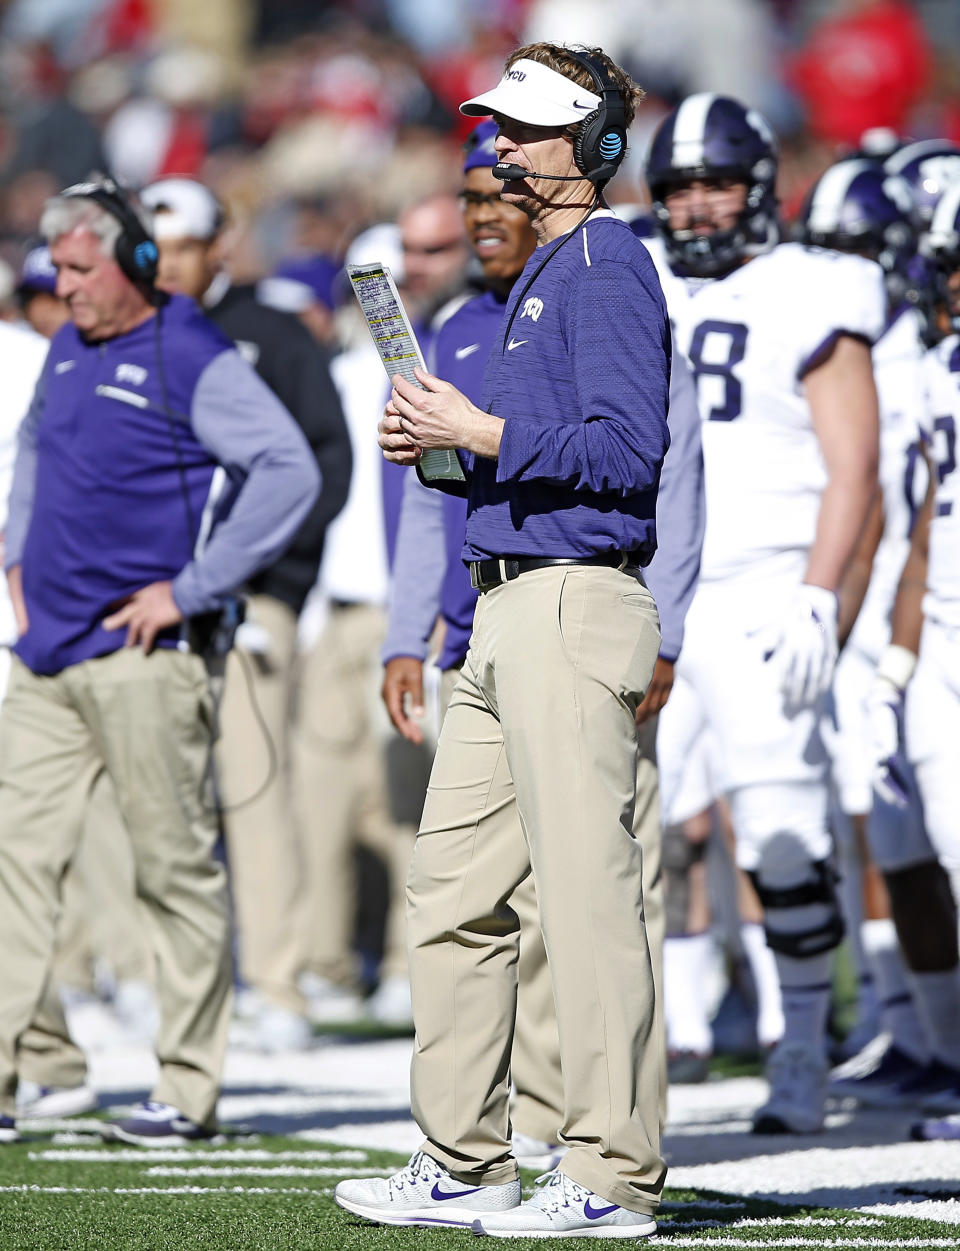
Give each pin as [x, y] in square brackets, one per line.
[69, 1192]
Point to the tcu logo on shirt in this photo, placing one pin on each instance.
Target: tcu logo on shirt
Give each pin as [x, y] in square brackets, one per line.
[134, 374]
[532, 308]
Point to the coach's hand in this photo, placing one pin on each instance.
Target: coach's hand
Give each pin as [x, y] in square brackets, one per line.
[658, 692]
[145, 613]
[396, 444]
[402, 694]
[440, 416]
[15, 589]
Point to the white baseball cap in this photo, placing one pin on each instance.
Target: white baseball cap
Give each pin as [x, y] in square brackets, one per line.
[534, 93]
[183, 209]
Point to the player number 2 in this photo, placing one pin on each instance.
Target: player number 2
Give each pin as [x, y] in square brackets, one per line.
[727, 344]
[947, 462]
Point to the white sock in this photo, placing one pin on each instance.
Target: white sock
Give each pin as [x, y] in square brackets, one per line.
[686, 965]
[763, 967]
[938, 1003]
[805, 986]
[898, 1013]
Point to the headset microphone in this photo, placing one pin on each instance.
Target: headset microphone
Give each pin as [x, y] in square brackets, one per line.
[516, 173]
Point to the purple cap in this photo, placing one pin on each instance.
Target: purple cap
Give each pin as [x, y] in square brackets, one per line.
[38, 272]
[301, 281]
[478, 150]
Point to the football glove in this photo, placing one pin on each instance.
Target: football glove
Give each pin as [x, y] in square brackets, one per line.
[885, 702]
[802, 645]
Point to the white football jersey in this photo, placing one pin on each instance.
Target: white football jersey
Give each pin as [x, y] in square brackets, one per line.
[22, 354]
[898, 370]
[942, 373]
[750, 338]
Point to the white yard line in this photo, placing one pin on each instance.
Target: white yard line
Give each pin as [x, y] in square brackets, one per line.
[163, 1190]
[666, 1240]
[259, 1170]
[178, 1155]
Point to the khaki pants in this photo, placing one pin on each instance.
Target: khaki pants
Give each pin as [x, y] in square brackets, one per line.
[263, 847]
[99, 919]
[102, 918]
[341, 792]
[145, 719]
[543, 715]
[535, 1061]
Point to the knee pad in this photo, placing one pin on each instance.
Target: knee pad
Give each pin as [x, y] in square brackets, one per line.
[678, 857]
[801, 920]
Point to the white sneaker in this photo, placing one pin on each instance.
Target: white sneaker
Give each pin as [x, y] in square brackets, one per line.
[329, 1003]
[423, 1193]
[38, 1103]
[390, 1003]
[272, 1029]
[562, 1208]
[135, 1005]
[536, 1152]
[798, 1091]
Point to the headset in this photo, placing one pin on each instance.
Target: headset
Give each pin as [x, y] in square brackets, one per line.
[600, 140]
[600, 143]
[135, 250]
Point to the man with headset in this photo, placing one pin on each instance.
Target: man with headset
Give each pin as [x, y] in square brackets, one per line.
[155, 474]
[562, 462]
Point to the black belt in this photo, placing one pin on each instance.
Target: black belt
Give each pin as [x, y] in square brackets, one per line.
[486, 574]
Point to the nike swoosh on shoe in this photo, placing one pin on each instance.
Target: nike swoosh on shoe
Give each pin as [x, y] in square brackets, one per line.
[437, 1193]
[594, 1214]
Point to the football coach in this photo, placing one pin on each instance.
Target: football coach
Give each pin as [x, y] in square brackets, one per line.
[562, 461]
[155, 473]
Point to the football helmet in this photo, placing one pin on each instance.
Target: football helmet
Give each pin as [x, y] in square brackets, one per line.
[929, 166]
[711, 136]
[856, 206]
[940, 246]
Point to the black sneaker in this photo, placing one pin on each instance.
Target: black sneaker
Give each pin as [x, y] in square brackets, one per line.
[936, 1088]
[156, 1125]
[876, 1082]
[945, 1129]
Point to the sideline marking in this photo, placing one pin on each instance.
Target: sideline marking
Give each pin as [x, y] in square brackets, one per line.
[171, 1156]
[257, 1170]
[163, 1190]
[808, 1242]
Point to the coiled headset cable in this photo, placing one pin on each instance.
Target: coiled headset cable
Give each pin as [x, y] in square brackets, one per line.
[216, 658]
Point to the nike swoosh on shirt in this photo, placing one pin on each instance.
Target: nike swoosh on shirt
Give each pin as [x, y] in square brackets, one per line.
[594, 1214]
[515, 343]
[61, 367]
[463, 352]
[437, 1193]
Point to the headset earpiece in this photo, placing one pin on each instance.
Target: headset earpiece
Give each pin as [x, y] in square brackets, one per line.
[135, 251]
[600, 142]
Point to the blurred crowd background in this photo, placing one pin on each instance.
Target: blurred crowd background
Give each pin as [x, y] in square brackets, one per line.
[316, 122]
[312, 119]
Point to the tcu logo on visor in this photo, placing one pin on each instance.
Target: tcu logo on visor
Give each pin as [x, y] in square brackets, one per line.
[517, 75]
[532, 308]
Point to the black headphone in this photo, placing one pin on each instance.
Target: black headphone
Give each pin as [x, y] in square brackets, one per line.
[135, 251]
[600, 143]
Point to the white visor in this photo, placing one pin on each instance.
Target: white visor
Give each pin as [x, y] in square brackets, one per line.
[184, 208]
[535, 94]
